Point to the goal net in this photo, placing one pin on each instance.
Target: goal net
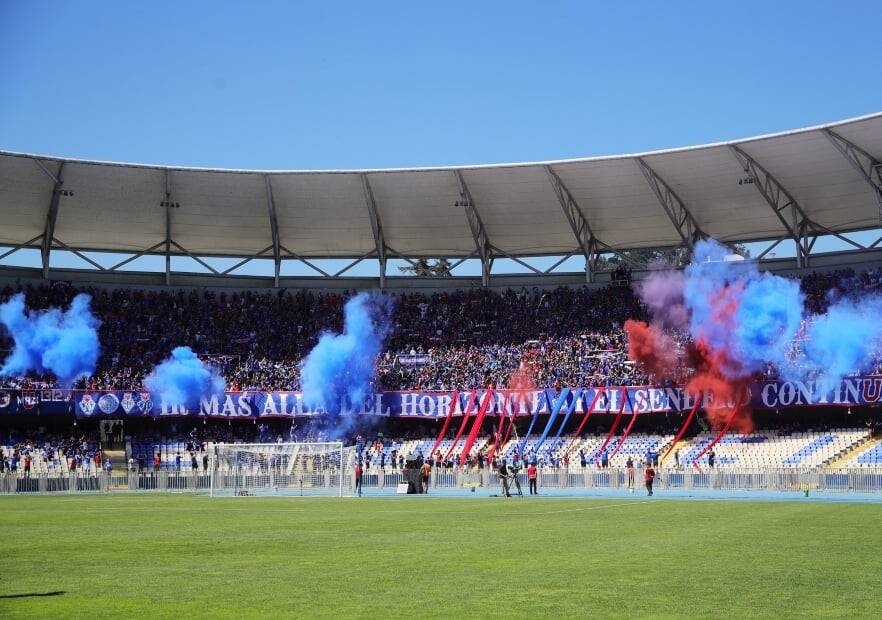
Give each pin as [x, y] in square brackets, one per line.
[281, 469]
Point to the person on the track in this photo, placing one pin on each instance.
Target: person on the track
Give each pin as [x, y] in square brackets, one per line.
[358, 474]
[425, 474]
[503, 478]
[649, 478]
[532, 475]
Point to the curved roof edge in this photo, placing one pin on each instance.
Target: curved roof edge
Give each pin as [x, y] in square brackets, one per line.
[682, 149]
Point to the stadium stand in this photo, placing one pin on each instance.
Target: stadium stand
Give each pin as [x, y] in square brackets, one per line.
[771, 449]
[762, 449]
[562, 336]
[567, 336]
[871, 457]
[868, 455]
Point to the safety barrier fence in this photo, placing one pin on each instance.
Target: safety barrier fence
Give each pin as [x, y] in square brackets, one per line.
[774, 479]
[863, 480]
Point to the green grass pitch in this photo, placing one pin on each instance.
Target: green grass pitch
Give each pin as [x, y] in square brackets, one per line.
[157, 556]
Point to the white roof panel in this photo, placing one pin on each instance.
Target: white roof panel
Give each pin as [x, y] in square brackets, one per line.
[322, 214]
[220, 213]
[520, 210]
[25, 192]
[325, 213]
[112, 208]
[618, 203]
[419, 213]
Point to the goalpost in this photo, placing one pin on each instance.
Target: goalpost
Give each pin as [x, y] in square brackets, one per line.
[292, 469]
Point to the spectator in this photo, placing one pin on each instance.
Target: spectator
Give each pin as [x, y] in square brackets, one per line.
[503, 478]
[358, 475]
[425, 474]
[532, 473]
[649, 478]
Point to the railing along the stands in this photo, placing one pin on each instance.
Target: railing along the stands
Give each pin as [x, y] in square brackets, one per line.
[856, 480]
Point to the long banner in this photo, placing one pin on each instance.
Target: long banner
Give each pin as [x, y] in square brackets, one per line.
[851, 391]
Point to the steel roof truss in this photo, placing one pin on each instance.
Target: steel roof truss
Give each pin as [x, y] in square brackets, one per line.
[788, 211]
[685, 224]
[479, 233]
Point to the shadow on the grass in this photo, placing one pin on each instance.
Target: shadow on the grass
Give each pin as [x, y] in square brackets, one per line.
[33, 594]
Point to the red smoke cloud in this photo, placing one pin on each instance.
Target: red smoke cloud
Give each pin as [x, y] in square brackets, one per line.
[522, 379]
[651, 349]
[716, 371]
[521, 386]
[724, 393]
[711, 371]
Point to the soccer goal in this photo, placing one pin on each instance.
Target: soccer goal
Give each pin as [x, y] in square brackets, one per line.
[294, 469]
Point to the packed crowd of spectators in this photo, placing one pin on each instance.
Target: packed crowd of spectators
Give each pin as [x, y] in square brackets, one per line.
[458, 339]
[258, 340]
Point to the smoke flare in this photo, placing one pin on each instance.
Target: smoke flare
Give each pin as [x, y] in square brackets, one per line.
[338, 372]
[183, 379]
[743, 322]
[651, 348]
[63, 342]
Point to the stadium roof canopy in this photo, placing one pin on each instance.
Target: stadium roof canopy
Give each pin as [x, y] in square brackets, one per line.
[795, 185]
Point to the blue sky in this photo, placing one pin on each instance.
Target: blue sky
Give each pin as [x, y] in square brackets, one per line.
[340, 85]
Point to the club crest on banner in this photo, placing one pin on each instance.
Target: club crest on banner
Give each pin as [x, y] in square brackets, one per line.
[145, 403]
[87, 404]
[29, 399]
[108, 403]
[127, 402]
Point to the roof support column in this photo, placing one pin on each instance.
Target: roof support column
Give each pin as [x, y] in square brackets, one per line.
[865, 164]
[686, 225]
[785, 207]
[274, 229]
[578, 223]
[167, 205]
[51, 214]
[376, 227]
[479, 233]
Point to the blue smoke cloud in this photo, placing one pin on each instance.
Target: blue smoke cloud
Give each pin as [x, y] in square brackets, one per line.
[766, 322]
[707, 276]
[750, 315]
[843, 341]
[755, 317]
[337, 373]
[182, 379]
[63, 342]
